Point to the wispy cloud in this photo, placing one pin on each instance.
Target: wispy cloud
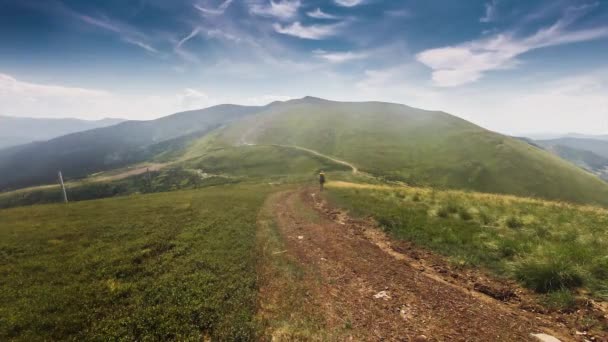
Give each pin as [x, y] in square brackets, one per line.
[491, 12]
[192, 34]
[339, 57]
[126, 33]
[319, 14]
[468, 62]
[214, 11]
[315, 32]
[13, 87]
[140, 44]
[282, 9]
[349, 3]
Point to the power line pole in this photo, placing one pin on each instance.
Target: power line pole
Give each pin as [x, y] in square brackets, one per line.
[65, 195]
[149, 179]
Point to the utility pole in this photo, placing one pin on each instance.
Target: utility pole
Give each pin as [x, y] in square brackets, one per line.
[149, 179]
[65, 195]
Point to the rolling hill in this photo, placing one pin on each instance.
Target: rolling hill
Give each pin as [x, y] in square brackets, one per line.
[16, 131]
[390, 141]
[80, 154]
[419, 147]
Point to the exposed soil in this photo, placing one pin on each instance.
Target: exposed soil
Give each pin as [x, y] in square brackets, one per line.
[373, 289]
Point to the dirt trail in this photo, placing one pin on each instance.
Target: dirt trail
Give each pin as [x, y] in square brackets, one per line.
[369, 291]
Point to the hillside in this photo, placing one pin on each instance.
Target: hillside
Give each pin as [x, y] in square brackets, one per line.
[16, 131]
[587, 160]
[419, 147]
[83, 153]
[390, 141]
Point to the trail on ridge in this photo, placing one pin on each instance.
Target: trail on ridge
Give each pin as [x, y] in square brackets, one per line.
[369, 291]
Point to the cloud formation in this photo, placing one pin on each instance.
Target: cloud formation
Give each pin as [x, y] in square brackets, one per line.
[313, 32]
[491, 12]
[468, 62]
[281, 9]
[319, 14]
[214, 11]
[348, 3]
[10, 86]
[339, 57]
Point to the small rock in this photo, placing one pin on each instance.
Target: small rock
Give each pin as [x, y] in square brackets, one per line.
[382, 294]
[545, 338]
[420, 338]
[300, 237]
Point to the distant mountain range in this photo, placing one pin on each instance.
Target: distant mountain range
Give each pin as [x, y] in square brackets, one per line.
[17, 131]
[390, 141]
[590, 154]
[553, 136]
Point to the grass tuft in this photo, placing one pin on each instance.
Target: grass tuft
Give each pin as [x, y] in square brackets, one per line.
[549, 274]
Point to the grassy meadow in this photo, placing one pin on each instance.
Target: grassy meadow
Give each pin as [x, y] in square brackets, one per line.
[173, 265]
[553, 248]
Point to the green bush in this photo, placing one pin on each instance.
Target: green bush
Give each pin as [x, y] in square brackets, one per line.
[514, 222]
[443, 212]
[464, 214]
[551, 273]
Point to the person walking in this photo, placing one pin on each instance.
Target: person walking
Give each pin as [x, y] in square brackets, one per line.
[321, 180]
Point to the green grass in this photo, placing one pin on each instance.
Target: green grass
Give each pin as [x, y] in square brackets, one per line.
[422, 148]
[178, 265]
[258, 164]
[263, 162]
[547, 246]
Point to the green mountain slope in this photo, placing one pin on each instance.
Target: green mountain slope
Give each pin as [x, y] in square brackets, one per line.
[83, 153]
[419, 147]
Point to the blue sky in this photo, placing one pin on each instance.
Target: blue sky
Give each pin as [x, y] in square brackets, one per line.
[510, 66]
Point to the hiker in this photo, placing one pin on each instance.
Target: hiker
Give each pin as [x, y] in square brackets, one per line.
[321, 179]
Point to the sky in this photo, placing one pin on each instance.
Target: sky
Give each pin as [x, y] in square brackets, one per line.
[516, 67]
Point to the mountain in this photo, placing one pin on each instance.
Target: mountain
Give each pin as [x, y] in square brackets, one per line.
[586, 159]
[390, 141]
[553, 136]
[419, 147]
[597, 146]
[590, 154]
[83, 153]
[16, 131]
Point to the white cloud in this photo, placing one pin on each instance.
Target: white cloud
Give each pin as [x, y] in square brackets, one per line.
[315, 32]
[282, 9]
[319, 14]
[191, 99]
[214, 11]
[127, 34]
[348, 3]
[192, 34]
[10, 86]
[339, 57]
[491, 12]
[466, 63]
[140, 44]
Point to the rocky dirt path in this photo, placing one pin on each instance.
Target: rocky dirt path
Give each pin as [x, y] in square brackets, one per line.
[368, 290]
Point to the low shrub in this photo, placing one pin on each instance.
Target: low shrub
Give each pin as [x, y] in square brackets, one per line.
[464, 214]
[514, 222]
[548, 274]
